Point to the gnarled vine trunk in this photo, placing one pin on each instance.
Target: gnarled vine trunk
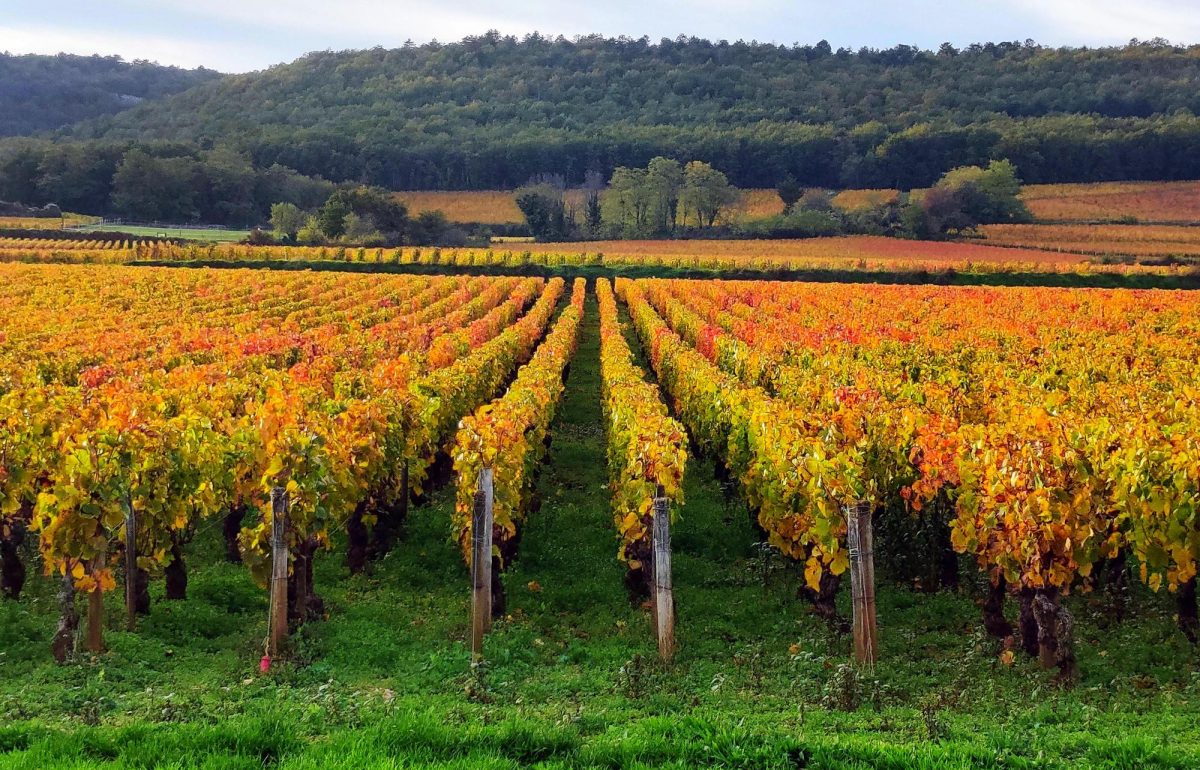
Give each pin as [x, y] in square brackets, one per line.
[1189, 624]
[303, 602]
[12, 569]
[993, 611]
[357, 539]
[1028, 624]
[141, 591]
[638, 579]
[824, 601]
[176, 571]
[63, 644]
[947, 558]
[1056, 634]
[232, 528]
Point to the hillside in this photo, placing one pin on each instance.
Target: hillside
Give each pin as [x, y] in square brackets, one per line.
[491, 111]
[43, 93]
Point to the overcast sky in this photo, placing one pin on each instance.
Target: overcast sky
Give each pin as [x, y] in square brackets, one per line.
[242, 35]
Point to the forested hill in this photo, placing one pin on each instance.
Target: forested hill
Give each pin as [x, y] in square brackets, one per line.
[40, 93]
[490, 111]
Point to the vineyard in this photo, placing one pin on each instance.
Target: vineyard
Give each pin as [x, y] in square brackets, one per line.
[1146, 202]
[155, 404]
[1132, 243]
[452, 516]
[1054, 446]
[1020, 249]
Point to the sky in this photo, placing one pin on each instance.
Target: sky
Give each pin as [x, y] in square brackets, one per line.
[244, 35]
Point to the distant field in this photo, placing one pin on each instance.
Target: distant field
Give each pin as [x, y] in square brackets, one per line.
[848, 250]
[1129, 241]
[492, 207]
[43, 223]
[1175, 202]
[218, 236]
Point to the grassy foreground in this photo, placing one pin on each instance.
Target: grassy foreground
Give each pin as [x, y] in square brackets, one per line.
[572, 680]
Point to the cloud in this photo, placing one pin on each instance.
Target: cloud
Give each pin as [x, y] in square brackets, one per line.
[1117, 21]
[180, 51]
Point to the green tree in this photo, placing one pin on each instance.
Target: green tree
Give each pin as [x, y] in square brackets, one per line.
[286, 220]
[706, 193]
[228, 195]
[331, 217]
[146, 187]
[387, 214]
[545, 211]
[816, 199]
[789, 191]
[310, 234]
[663, 181]
[987, 195]
[625, 204]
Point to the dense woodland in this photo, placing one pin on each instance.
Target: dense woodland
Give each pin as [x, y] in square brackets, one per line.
[40, 93]
[494, 111]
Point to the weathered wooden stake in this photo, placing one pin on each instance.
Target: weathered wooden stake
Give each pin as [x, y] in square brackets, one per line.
[664, 597]
[862, 582]
[130, 566]
[96, 607]
[279, 571]
[481, 563]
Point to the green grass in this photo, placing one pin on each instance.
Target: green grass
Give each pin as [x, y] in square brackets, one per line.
[572, 680]
[208, 236]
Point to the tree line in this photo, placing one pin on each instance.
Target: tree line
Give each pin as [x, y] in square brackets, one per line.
[491, 111]
[153, 182]
[671, 199]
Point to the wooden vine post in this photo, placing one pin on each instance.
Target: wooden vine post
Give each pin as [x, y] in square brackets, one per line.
[664, 598]
[279, 571]
[481, 563]
[95, 618]
[130, 566]
[862, 582]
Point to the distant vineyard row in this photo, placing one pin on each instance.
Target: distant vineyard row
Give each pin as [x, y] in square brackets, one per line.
[856, 253]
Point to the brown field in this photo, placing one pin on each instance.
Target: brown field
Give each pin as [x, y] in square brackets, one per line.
[1173, 202]
[1126, 241]
[492, 207]
[42, 223]
[855, 200]
[848, 249]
